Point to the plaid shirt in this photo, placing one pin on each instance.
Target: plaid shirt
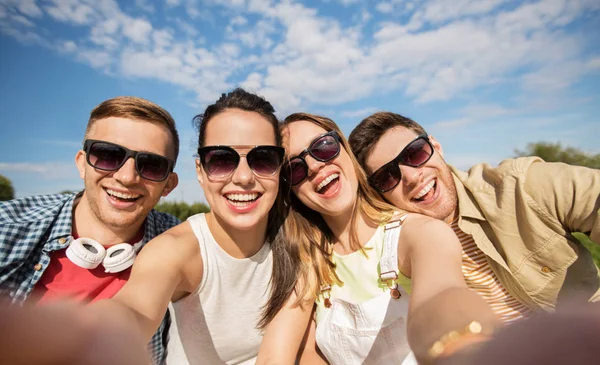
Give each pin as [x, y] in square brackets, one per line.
[32, 228]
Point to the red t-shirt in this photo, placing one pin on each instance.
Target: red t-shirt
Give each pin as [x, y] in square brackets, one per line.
[64, 279]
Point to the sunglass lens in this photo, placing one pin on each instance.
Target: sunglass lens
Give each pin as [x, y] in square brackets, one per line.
[386, 178]
[417, 153]
[106, 156]
[325, 148]
[298, 171]
[220, 162]
[264, 161]
[152, 167]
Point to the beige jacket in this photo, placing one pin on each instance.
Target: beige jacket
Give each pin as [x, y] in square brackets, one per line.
[521, 214]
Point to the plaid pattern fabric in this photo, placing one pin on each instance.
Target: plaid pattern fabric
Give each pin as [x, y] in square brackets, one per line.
[31, 228]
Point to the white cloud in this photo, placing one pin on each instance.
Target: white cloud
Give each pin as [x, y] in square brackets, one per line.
[299, 57]
[594, 63]
[238, 20]
[96, 59]
[145, 5]
[43, 171]
[25, 7]
[384, 7]
[452, 124]
[554, 77]
[437, 11]
[138, 30]
[360, 113]
[71, 11]
[68, 46]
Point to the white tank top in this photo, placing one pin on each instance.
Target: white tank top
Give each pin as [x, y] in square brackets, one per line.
[216, 324]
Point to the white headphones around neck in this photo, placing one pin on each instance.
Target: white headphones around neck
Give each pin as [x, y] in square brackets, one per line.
[87, 253]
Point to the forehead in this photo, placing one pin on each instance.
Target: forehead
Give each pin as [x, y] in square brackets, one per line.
[388, 147]
[299, 135]
[235, 127]
[135, 134]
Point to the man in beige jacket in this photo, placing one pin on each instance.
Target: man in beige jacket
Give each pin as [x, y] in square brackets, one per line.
[514, 221]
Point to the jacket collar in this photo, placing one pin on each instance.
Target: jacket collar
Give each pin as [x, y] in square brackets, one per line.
[467, 206]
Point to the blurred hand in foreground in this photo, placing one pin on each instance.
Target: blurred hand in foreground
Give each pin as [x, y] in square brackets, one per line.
[569, 336]
[66, 334]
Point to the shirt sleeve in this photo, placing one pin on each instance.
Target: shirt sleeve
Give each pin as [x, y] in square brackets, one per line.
[570, 194]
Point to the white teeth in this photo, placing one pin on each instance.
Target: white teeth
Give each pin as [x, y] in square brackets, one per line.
[425, 190]
[326, 181]
[242, 197]
[121, 195]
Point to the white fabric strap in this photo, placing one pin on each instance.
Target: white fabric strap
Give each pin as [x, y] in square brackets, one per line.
[389, 258]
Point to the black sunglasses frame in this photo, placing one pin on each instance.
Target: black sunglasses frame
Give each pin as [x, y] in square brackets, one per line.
[395, 163]
[89, 143]
[308, 151]
[202, 151]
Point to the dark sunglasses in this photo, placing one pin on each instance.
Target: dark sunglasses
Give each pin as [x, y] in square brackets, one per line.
[108, 156]
[415, 154]
[222, 161]
[324, 148]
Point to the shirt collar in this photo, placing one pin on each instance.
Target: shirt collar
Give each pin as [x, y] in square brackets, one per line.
[467, 206]
[64, 221]
[63, 225]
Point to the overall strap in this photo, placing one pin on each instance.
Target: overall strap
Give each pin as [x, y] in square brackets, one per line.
[389, 257]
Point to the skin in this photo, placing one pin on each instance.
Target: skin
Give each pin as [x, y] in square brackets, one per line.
[441, 202]
[428, 250]
[99, 215]
[60, 334]
[170, 266]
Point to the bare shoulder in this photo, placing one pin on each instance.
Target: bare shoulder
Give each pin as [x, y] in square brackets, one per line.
[415, 223]
[423, 231]
[177, 242]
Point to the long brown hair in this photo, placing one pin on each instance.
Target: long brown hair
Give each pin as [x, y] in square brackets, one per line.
[285, 257]
[307, 228]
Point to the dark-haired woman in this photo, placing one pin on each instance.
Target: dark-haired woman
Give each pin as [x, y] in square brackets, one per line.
[230, 277]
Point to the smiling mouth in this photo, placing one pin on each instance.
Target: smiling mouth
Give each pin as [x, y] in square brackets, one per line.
[427, 191]
[242, 200]
[327, 183]
[122, 196]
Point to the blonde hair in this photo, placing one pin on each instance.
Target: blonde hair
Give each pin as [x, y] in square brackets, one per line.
[307, 229]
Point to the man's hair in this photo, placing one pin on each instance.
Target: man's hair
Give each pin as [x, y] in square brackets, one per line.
[135, 108]
[368, 132]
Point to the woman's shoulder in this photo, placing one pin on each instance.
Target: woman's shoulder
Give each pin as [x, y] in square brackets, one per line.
[178, 237]
[419, 225]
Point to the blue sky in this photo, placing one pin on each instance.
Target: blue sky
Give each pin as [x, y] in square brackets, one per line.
[483, 76]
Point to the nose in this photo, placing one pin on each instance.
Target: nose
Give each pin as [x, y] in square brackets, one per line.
[127, 174]
[411, 175]
[243, 174]
[313, 164]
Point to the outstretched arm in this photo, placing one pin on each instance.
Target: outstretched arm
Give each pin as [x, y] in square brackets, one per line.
[167, 268]
[284, 333]
[62, 333]
[440, 300]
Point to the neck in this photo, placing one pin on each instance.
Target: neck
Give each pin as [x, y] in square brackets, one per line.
[340, 226]
[451, 217]
[237, 243]
[87, 224]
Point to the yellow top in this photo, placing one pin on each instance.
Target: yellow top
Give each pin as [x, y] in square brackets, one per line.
[360, 275]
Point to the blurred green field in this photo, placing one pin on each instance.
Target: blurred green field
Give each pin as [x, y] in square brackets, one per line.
[591, 246]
